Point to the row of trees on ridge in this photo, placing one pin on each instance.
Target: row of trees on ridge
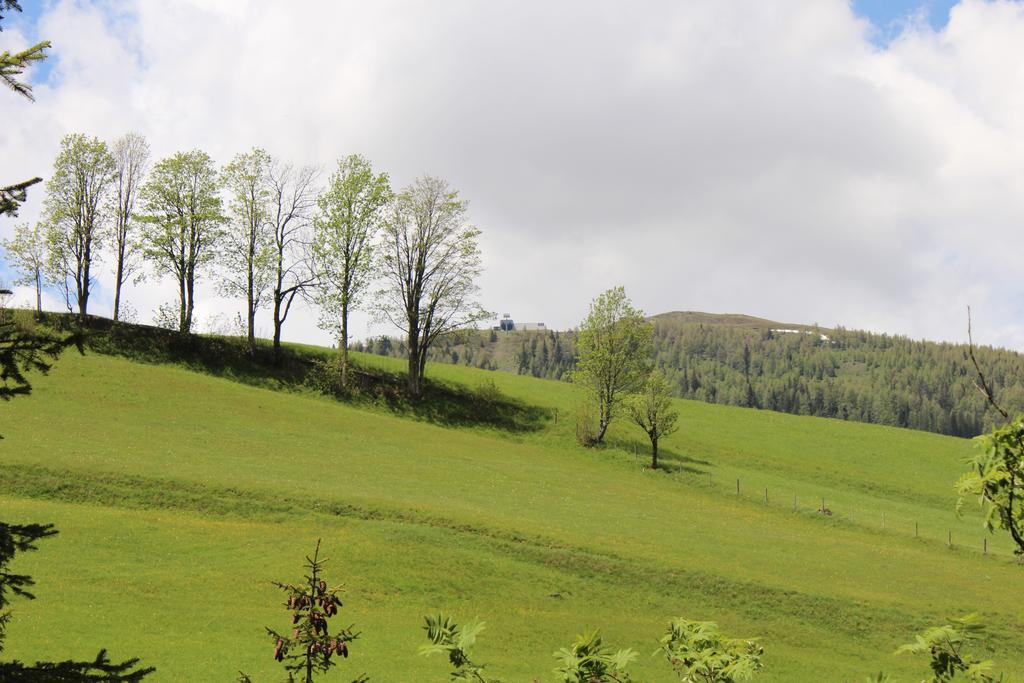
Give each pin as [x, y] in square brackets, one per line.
[265, 230]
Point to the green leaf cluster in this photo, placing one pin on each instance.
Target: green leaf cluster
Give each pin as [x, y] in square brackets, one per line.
[945, 645]
[587, 660]
[700, 653]
[448, 638]
[996, 479]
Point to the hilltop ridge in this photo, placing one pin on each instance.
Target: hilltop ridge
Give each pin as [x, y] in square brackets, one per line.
[743, 360]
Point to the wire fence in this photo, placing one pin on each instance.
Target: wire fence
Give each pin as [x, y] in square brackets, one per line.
[888, 521]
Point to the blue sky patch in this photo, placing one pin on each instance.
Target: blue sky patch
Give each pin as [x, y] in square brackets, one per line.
[890, 16]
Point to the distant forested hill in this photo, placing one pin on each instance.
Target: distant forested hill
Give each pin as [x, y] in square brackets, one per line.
[801, 369]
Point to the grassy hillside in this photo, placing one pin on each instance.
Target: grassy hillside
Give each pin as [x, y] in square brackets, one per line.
[180, 495]
[741, 360]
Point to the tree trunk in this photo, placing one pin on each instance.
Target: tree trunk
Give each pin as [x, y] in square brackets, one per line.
[277, 329]
[182, 319]
[119, 278]
[39, 295]
[83, 293]
[251, 306]
[654, 453]
[602, 426]
[423, 365]
[414, 384]
[343, 344]
[190, 296]
[251, 324]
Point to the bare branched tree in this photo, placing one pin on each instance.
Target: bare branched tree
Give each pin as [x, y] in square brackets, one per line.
[293, 194]
[131, 156]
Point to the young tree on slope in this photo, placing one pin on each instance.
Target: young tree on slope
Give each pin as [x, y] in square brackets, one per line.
[292, 199]
[311, 649]
[131, 155]
[651, 409]
[430, 259]
[182, 222]
[26, 253]
[73, 214]
[614, 351]
[246, 248]
[350, 216]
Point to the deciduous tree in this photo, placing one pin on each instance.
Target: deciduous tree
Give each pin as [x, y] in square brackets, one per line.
[246, 249]
[430, 260]
[182, 222]
[613, 353]
[26, 253]
[652, 410]
[351, 211]
[73, 214]
[131, 157]
[292, 200]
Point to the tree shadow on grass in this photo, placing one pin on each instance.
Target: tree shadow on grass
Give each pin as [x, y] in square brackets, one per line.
[669, 460]
[442, 403]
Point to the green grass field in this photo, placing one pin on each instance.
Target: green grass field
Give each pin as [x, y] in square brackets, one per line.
[180, 496]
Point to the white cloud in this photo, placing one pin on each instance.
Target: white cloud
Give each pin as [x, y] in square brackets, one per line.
[717, 155]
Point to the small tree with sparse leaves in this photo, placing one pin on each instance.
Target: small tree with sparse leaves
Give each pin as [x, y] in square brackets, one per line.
[311, 648]
[651, 409]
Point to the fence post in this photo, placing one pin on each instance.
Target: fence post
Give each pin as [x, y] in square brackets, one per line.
[984, 546]
[737, 486]
[765, 495]
[915, 529]
[949, 538]
[794, 502]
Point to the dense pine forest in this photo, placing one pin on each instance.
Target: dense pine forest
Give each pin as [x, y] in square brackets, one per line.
[800, 369]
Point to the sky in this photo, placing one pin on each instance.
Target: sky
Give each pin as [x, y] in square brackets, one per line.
[809, 161]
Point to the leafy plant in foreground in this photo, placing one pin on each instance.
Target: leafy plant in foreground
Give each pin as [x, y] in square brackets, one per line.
[997, 479]
[700, 653]
[447, 637]
[945, 644]
[997, 469]
[587, 660]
